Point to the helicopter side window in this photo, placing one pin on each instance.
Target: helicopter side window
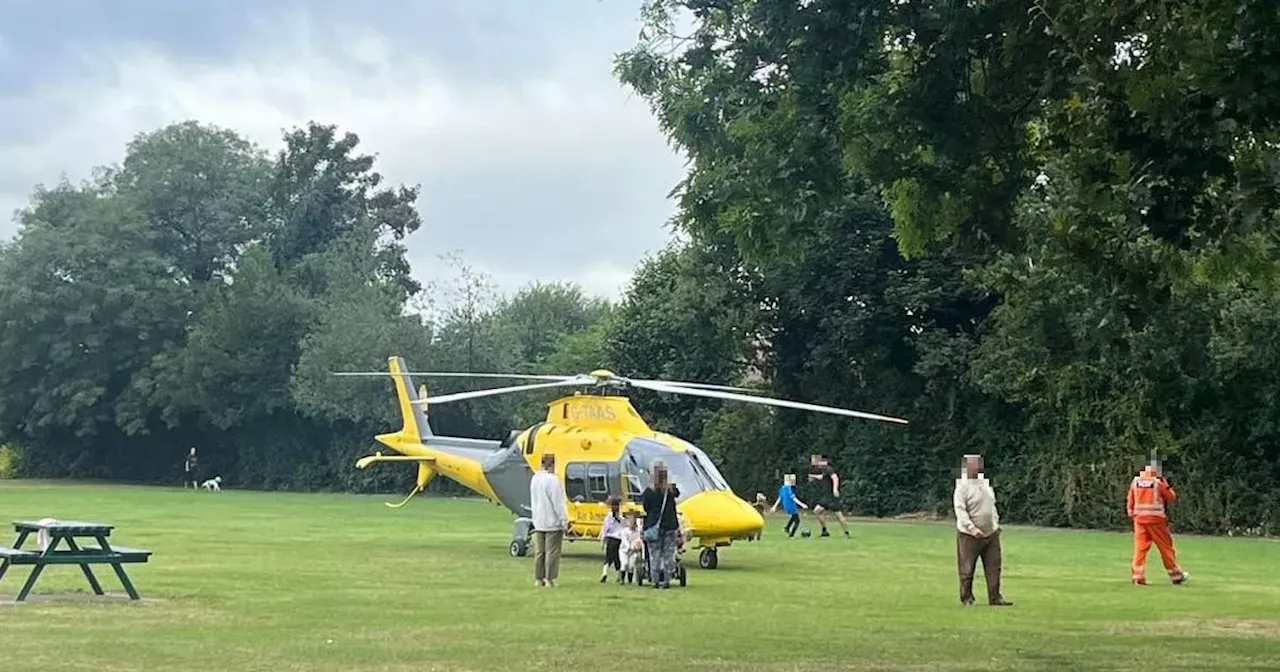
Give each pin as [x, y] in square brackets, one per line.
[575, 481]
[598, 481]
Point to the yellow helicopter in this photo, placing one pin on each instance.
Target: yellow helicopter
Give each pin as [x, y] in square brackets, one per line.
[602, 447]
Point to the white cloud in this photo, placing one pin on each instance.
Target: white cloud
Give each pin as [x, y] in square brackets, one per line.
[527, 178]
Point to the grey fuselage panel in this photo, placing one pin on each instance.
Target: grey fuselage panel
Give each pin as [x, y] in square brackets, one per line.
[504, 467]
[509, 475]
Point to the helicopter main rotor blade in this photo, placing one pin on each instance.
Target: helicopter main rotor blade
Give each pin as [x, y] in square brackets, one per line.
[699, 386]
[454, 374]
[715, 394]
[503, 376]
[476, 394]
[532, 376]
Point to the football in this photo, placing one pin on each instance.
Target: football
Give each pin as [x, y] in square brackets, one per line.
[804, 533]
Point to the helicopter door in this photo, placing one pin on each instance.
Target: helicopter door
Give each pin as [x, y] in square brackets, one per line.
[575, 489]
[632, 486]
[596, 506]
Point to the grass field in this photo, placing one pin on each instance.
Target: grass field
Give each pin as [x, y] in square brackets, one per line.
[259, 581]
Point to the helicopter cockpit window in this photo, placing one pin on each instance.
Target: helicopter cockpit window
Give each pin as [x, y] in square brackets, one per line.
[691, 471]
[708, 467]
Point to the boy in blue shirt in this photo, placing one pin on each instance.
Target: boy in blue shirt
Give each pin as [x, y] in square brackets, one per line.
[790, 503]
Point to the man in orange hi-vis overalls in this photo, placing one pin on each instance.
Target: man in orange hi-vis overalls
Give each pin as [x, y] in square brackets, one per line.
[1148, 494]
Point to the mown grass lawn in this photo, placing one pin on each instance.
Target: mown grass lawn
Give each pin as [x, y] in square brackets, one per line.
[262, 581]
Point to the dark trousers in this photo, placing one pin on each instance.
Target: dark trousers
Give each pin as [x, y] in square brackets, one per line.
[968, 549]
[611, 556]
[793, 524]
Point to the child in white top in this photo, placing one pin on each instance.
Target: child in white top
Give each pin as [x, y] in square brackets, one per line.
[611, 538]
[631, 550]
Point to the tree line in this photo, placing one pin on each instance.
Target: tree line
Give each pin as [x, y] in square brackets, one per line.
[1049, 242]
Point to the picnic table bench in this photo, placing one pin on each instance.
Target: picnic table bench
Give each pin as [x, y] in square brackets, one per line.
[63, 531]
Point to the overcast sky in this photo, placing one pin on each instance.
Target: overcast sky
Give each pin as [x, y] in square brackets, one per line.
[534, 162]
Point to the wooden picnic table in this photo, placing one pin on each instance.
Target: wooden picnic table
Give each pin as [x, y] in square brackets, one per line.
[66, 532]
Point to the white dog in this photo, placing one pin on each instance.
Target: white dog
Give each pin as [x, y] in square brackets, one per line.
[213, 485]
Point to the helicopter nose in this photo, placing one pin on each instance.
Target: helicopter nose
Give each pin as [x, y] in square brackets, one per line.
[721, 514]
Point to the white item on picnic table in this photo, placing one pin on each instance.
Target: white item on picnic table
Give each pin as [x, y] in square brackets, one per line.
[43, 536]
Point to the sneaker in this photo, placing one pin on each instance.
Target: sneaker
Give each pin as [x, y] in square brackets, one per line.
[604, 577]
[966, 603]
[551, 584]
[1139, 582]
[1182, 579]
[1001, 603]
[825, 534]
[537, 583]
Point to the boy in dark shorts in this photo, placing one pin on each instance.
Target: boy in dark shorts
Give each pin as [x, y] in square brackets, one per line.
[827, 496]
[612, 533]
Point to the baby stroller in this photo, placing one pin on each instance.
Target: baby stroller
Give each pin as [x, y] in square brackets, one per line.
[678, 572]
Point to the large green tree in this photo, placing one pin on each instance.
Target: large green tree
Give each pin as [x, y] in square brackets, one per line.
[88, 302]
[1094, 170]
[171, 301]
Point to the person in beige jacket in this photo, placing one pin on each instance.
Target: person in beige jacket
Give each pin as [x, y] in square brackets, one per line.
[977, 532]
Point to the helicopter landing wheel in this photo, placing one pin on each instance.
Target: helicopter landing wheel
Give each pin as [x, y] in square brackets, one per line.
[708, 559]
[682, 577]
[519, 548]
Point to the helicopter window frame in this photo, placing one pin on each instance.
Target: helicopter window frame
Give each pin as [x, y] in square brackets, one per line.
[598, 470]
[633, 485]
[702, 462]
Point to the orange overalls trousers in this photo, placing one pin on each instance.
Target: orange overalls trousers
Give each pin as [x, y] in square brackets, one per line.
[1148, 494]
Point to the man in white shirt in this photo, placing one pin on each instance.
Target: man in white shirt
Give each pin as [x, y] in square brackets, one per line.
[978, 532]
[550, 515]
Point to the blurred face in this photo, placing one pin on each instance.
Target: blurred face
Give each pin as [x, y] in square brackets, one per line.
[660, 476]
[549, 462]
[789, 479]
[972, 466]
